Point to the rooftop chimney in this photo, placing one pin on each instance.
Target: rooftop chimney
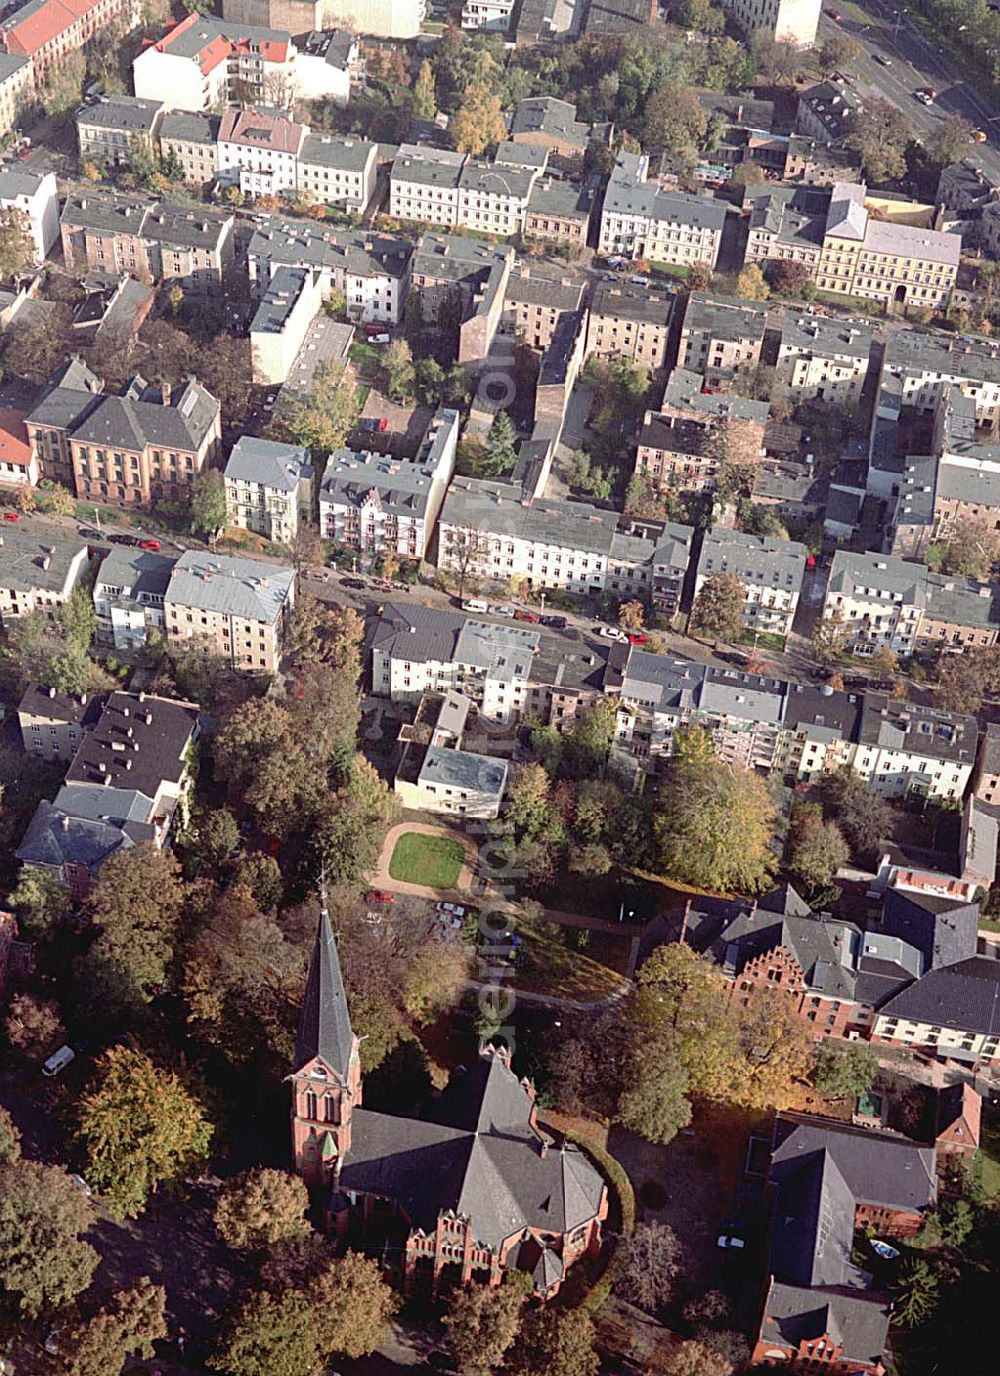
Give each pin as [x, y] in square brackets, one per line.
[165, 392]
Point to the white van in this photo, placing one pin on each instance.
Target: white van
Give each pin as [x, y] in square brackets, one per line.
[58, 1061]
[474, 604]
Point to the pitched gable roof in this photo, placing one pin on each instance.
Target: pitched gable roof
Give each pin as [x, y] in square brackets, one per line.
[325, 1031]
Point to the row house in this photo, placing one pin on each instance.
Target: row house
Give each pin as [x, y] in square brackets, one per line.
[145, 446]
[128, 784]
[38, 574]
[488, 532]
[534, 303]
[417, 650]
[559, 212]
[629, 322]
[904, 748]
[237, 609]
[259, 151]
[154, 241]
[290, 303]
[375, 505]
[191, 141]
[269, 488]
[822, 359]
[17, 90]
[674, 449]
[71, 394]
[441, 187]
[113, 128]
[129, 591]
[794, 22]
[36, 197]
[46, 32]
[371, 270]
[721, 337]
[770, 571]
[640, 220]
[328, 65]
[203, 63]
[53, 723]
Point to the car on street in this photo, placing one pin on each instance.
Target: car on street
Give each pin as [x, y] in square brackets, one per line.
[882, 60]
[357, 583]
[925, 95]
[558, 623]
[374, 425]
[522, 615]
[499, 609]
[378, 339]
[979, 135]
[151, 544]
[379, 896]
[12, 515]
[455, 908]
[90, 533]
[637, 637]
[123, 539]
[58, 1062]
[610, 633]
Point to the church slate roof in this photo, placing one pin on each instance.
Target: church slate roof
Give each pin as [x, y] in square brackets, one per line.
[325, 1030]
[475, 1154]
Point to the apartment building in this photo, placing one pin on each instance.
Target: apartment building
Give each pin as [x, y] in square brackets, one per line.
[127, 783]
[461, 284]
[417, 650]
[328, 64]
[671, 560]
[381, 18]
[967, 479]
[630, 322]
[987, 775]
[192, 141]
[438, 775]
[372, 270]
[111, 129]
[259, 151]
[439, 187]
[827, 111]
[721, 337]
[291, 301]
[340, 172]
[146, 445]
[951, 1012]
[675, 449]
[490, 16]
[72, 393]
[879, 598]
[534, 302]
[129, 591]
[559, 212]
[491, 200]
[232, 607]
[823, 359]
[36, 196]
[37, 574]
[156, 241]
[783, 21]
[770, 571]
[47, 31]
[203, 63]
[904, 748]
[831, 231]
[639, 220]
[17, 90]
[375, 504]
[545, 122]
[269, 488]
[819, 732]
[53, 723]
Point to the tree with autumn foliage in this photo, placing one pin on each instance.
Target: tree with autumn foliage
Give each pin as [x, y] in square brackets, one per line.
[479, 121]
[263, 1209]
[126, 1327]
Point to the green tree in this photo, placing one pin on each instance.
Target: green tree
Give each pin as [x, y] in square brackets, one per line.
[631, 615]
[44, 1264]
[326, 418]
[675, 122]
[529, 800]
[261, 1210]
[654, 1094]
[34, 1027]
[349, 835]
[17, 248]
[949, 141]
[589, 746]
[261, 874]
[398, 370]
[129, 1326]
[34, 350]
[424, 93]
[10, 1139]
[54, 499]
[816, 849]
[714, 827]
[208, 503]
[482, 1323]
[501, 447]
[352, 1305]
[218, 835]
[836, 51]
[135, 906]
[694, 1358]
[862, 814]
[139, 1127]
[848, 1068]
[829, 638]
[40, 902]
[751, 285]
[558, 1343]
[916, 1293]
[718, 607]
[62, 90]
[479, 120]
[880, 133]
[269, 1335]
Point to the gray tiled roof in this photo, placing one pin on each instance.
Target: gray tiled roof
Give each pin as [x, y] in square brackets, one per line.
[463, 769]
[425, 633]
[755, 559]
[824, 950]
[942, 929]
[551, 197]
[132, 114]
[190, 127]
[244, 588]
[132, 424]
[633, 303]
[724, 317]
[926, 731]
[856, 1321]
[683, 392]
[268, 463]
[403, 486]
[880, 1169]
[325, 1030]
[27, 561]
[964, 997]
[139, 743]
[878, 577]
[54, 839]
[362, 254]
[497, 507]
[345, 154]
[135, 571]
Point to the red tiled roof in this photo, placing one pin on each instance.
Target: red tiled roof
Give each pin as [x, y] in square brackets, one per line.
[255, 129]
[46, 24]
[14, 446]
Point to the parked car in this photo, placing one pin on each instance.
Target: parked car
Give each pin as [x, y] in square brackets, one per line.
[90, 533]
[610, 633]
[475, 604]
[836, 16]
[455, 908]
[639, 281]
[374, 425]
[378, 339]
[58, 1061]
[12, 515]
[558, 623]
[979, 135]
[925, 95]
[379, 896]
[637, 637]
[882, 60]
[152, 545]
[357, 583]
[123, 539]
[498, 609]
[81, 1185]
[522, 615]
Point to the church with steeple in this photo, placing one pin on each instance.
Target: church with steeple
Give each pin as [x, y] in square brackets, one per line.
[468, 1189]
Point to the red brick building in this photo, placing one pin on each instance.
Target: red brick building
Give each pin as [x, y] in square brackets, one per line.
[959, 1111]
[423, 1191]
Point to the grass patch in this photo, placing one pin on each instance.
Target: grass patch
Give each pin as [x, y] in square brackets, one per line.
[989, 924]
[434, 861]
[860, 305]
[677, 270]
[766, 640]
[546, 967]
[989, 1153]
[361, 353]
[361, 394]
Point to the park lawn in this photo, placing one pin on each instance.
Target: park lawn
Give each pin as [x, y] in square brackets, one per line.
[434, 861]
[547, 967]
[989, 1156]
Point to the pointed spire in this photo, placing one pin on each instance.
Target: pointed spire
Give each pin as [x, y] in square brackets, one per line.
[325, 1026]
